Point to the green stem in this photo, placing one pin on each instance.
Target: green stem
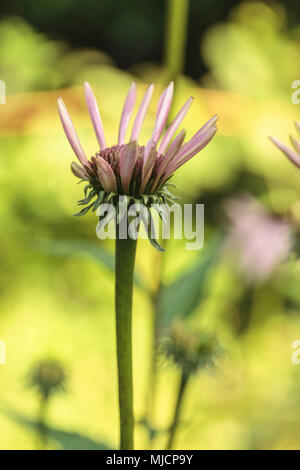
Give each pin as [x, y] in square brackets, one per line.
[182, 387]
[42, 428]
[175, 41]
[125, 258]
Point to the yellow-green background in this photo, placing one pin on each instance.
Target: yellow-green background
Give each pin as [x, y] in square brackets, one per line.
[62, 306]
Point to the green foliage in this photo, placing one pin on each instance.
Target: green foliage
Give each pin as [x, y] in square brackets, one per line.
[82, 248]
[181, 297]
[65, 440]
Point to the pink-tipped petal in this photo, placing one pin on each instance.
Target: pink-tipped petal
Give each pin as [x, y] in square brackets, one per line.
[287, 151]
[71, 133]
[297, 125]
[178, 162]
[210, 124]
[171, 153]
[295, 144]
[150, 155]
[160, 101]
[126, 113]
[95, 114]
[106, 175]
[79, 171]
[174, 126]
[128, 157]
[163, 109]
[142, 113]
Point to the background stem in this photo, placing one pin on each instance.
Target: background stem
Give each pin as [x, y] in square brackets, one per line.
[41, 420]
[182, 387]
[125, 259]
[175, 39]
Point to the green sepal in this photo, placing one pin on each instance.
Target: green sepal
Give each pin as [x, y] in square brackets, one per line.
[84, 210]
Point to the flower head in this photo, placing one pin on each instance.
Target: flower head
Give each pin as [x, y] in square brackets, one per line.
[293, 155]
[191, 350]
[48, 377]
[127, 167]
[260, 240]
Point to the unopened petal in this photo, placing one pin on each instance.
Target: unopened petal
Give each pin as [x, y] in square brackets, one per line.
[106, 175]
[126, 113]
[95, 114]
[79, 171]
[71, 133]
[142, 113]
[128, 157]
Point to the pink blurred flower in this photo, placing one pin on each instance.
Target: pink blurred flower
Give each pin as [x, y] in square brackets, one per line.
[129, 168]
[293, 155]
[260, 240]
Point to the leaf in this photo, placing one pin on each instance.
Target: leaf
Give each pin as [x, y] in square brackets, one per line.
[98, 200]
[83, 211]
[82, 202]
[181, 297]
[84, 249]
[67, 440]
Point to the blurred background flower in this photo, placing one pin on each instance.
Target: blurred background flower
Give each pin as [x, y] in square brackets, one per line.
[259, 240]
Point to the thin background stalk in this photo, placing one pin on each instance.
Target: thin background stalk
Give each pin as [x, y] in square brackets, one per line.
[174, 59]
[179, 400]
[125, 259]
[175, 36]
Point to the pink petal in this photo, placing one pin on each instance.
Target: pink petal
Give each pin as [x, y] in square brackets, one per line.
[126, 113]
[79, 171]
[171, 153]
[163, 109]
[106, 175]
[128, 157]
[142, 113]
[295, 144]
[150, 155]
[198, 136]
[179, 161]
[174, 126]
[95, 114]
[71, 133]
[287, 151]
[297, 125]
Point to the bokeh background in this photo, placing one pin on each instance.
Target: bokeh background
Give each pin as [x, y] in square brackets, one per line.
[56, 278]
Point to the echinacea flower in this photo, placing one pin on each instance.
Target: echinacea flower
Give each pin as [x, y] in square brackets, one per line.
[191, 350]
[293, 155]
[260, 240]
[128, 168]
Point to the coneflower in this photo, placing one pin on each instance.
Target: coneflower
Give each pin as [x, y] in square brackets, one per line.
[293, 155]
[140, 174]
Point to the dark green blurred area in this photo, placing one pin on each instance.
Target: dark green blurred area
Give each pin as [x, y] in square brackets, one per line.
[56, 278]
[129, 31]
